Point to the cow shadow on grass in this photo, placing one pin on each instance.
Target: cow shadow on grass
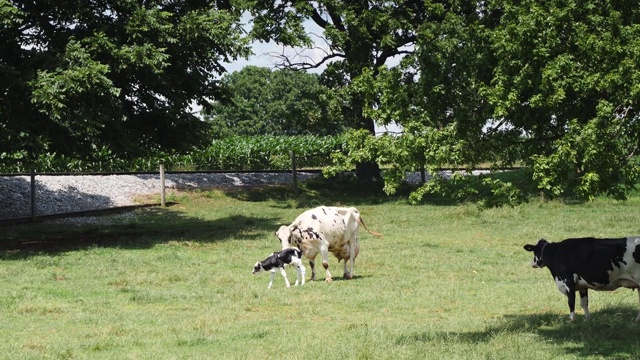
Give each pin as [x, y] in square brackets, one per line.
[127, 231]
[610, 333]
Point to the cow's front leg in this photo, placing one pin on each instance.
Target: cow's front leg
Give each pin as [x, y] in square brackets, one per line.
[313, 270]
[584, 303]
[324, 251]
[572, 305]
[568, 288]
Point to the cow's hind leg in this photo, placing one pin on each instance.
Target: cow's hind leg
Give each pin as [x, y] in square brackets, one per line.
[353, 252]
[346, 273]
[313, 270]
[584, 303]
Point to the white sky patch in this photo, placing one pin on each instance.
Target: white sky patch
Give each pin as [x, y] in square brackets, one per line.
[271, 55]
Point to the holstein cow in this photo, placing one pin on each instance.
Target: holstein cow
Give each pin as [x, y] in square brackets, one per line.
[589, 263]
[278, 260]
[322, 230]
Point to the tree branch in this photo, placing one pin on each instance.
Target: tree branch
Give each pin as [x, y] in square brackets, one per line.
[335, 18]
[390, 53]
[287, 61]
[317, 18]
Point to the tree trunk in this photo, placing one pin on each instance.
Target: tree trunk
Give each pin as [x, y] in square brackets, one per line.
[368, 171]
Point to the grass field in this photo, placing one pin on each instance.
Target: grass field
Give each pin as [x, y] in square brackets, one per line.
[445, 282]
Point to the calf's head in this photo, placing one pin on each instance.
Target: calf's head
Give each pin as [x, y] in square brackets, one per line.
[538, 253]
[257, 268]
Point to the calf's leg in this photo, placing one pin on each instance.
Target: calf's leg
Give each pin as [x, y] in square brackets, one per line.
[284, 275]
[271, 276]
[300, 271]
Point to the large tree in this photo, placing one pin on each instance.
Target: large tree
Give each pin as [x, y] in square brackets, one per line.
[279, 102]
[360, 35]
[119, 75]
[554, 84]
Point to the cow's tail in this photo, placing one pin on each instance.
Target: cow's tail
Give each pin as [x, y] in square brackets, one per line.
[369, 231]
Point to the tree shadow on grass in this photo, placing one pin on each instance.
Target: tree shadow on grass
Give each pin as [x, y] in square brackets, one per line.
[15, 193]
[610, 333]
[318, 191]
[158, 226]
[349, 190]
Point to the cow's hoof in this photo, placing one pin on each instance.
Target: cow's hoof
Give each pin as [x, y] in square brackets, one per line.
[329, 280]
[348, 276]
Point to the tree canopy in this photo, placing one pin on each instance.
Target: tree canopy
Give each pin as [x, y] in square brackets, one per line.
[260, 101]
[552, 85]
[361, 35]
[116, 75]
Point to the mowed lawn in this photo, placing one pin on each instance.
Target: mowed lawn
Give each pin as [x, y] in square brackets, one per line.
[445, 282]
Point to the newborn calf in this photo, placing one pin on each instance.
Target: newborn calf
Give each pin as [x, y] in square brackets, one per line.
[278, 260]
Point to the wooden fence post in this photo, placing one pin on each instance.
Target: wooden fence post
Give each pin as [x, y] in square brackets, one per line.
[33, 196]
[163, 202]
[294, 173]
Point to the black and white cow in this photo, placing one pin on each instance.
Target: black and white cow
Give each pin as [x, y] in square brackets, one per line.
[589, 263]
[278, 260]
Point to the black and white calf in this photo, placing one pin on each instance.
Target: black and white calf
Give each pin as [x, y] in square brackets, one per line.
[589, 263]
[278, 260]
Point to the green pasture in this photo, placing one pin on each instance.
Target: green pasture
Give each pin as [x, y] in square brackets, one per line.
[446, 281]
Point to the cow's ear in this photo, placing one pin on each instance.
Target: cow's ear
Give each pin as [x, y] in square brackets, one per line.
[529, 247]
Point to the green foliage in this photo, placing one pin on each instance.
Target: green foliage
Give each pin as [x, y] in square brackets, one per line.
[115, 74]
[233, 153]
[429, 149]
[551, 85]
[590, 159]
[266, 152]
[359, 36]
[259, 101]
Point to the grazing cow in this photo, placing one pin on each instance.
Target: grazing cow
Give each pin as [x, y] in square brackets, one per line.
[322, 230]
[589, 263]
[278, 260]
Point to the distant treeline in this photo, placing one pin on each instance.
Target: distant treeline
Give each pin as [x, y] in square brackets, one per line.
[232, 153]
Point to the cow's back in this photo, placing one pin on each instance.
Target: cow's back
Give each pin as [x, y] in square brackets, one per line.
[318, 225]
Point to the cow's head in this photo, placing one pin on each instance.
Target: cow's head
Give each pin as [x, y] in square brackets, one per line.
[284, 234]
[538, 253]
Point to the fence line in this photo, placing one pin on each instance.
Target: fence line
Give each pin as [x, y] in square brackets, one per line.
[33, 217]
